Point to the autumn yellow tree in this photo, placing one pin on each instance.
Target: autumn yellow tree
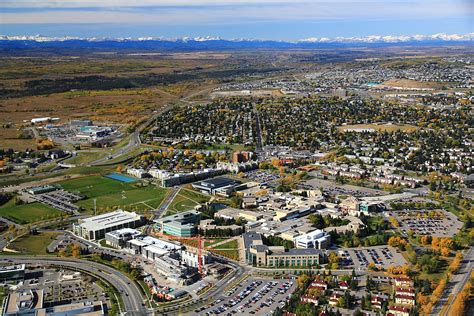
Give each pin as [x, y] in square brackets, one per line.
[302, 279]
[394, 221]
[76, 251]
[459, 304]
[333, 260]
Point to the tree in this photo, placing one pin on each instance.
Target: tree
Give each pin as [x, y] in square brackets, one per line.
[459, 304]
[75, 251]
[333, 260]
[302, 279]
[236, 201]
[119, 168]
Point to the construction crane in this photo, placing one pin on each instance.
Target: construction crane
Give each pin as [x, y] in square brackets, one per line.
[200, 246]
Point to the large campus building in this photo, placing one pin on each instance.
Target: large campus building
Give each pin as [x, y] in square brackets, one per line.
[181, 225]
[118, 238]
[316, 239]
[258, 254]
[218, 186]
[12, 273]
[94, 228]
[31, 302]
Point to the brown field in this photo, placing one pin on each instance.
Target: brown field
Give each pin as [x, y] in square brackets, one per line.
[9, 139]
[61, 67]
[382, 127]
[123, 106]
[412, 84]
[194, 55]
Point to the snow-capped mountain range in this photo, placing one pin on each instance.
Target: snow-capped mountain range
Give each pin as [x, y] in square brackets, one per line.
[441, 37]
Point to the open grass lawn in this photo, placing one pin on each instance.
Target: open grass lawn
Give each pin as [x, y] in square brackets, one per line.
[186, 200]
[212, 241]
[232, 254]
[231, 244]
[34, 244]
[111, 193]
[86, 156]
[28, 213]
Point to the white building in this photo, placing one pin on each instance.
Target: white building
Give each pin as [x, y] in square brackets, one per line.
[95, 228]
[316, 239]
[191, 259]
[138, 173]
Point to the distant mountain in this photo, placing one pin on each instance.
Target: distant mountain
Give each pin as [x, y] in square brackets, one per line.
[210, 43]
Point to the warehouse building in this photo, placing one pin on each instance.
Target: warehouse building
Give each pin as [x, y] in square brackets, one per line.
[95, 228]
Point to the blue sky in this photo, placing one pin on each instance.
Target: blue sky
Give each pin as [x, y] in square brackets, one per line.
[263, 19]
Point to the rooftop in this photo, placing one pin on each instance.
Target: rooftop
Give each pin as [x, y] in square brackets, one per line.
[218, 182]
[104, 221]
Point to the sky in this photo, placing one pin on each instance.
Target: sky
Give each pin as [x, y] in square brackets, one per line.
[229, 19]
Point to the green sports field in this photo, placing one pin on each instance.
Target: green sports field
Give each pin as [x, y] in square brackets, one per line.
[28, 213]
[186, 200]
[111, 193]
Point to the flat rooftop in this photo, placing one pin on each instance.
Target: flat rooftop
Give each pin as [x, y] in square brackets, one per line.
[104, 221]
[124, 231]
[218, 182]
[16, 267]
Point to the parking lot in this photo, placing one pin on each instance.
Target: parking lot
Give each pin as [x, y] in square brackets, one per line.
[60, 199]
[252, 297]
[63, 286]
[438, 223]
[382, 256]
[262, 176]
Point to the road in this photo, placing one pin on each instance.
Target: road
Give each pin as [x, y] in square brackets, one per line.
[455, 284]
[135, 136]
[132, 143]
[134, 139]
[161, 210]
[258, 133]
[216, 291]
[131, 295]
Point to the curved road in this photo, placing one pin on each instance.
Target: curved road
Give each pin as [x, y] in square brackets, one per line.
[131, 295]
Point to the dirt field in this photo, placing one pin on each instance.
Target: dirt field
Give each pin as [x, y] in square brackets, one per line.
[412, 84]
[9, 139]
[381, 127]
[123, 106]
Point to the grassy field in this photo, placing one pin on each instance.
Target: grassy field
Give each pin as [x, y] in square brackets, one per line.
[381, 127]
[111, 193]
[186, 200]
[231, 244]
[9, 139]
[86, 156]
[34, 244]
[28, 213]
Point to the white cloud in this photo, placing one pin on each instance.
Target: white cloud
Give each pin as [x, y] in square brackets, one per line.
[230, 11]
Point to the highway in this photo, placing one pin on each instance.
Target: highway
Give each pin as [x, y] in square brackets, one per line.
[131, 295]
[455, 284]
[134, 141]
